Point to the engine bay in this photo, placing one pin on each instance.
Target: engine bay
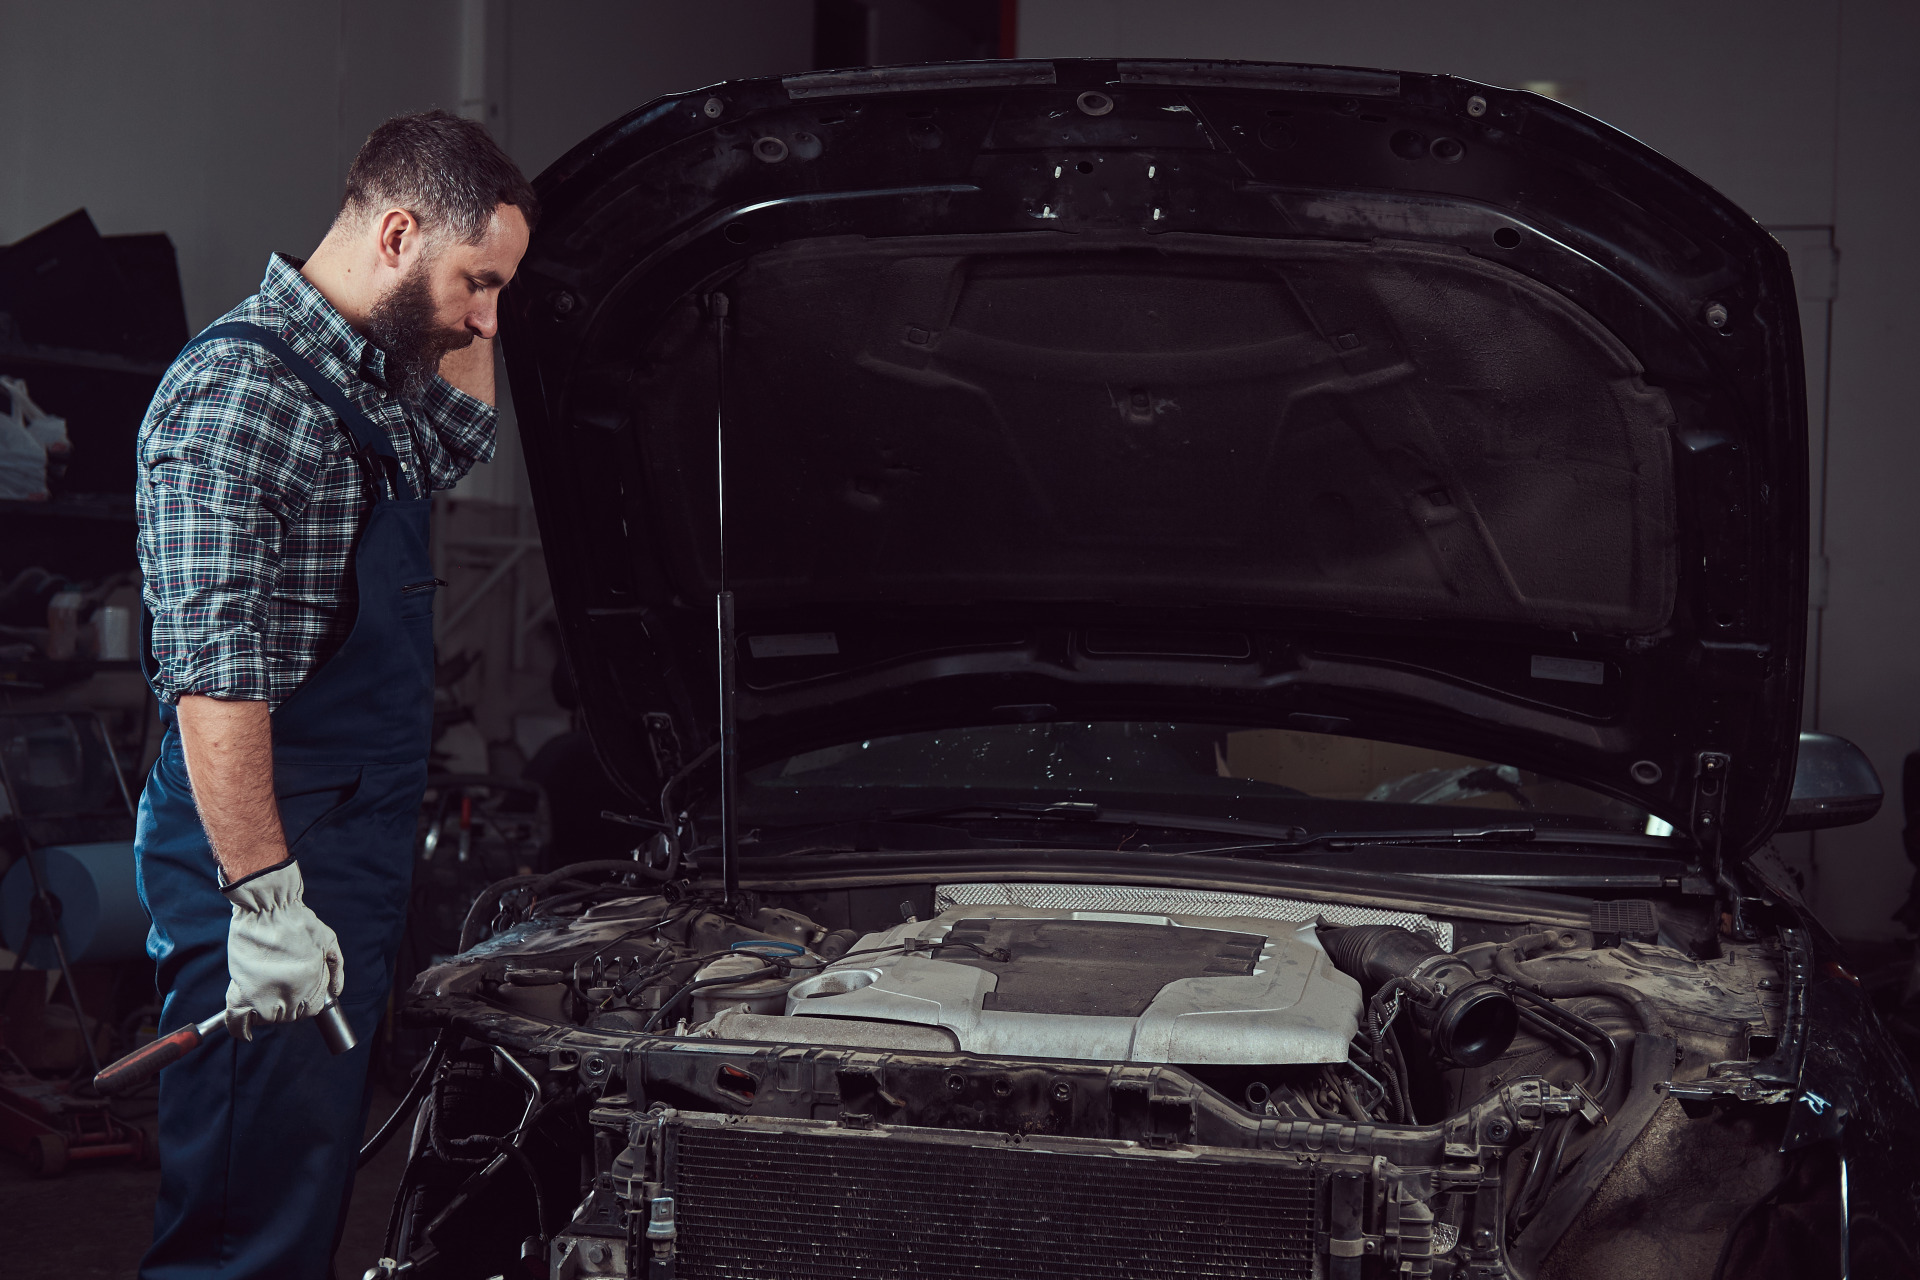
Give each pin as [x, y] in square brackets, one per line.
[1076, 985]
[1377, 1091]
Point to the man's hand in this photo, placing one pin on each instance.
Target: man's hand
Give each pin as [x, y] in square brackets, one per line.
[282, 961]
[471, 369]
[229, 750]
[284, 964]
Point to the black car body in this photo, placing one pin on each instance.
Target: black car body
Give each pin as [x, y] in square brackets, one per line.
[1185, 525]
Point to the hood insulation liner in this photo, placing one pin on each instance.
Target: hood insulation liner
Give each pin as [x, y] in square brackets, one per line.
[1388, 429]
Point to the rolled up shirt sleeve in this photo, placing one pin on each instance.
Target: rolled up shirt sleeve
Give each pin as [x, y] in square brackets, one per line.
[463, 433]
[224, 472]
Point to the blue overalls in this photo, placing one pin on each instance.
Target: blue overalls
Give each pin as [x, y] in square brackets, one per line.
[258, 1139]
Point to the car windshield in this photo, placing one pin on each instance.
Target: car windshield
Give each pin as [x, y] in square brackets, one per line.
[1318, 782]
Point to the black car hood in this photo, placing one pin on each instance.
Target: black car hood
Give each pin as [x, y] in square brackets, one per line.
[1385, 404]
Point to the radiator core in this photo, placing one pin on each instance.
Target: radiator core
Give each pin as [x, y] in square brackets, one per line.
[793, 1200]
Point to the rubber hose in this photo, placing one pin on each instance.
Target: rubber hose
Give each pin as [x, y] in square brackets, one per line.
[671, 871]
[1560, 1016]
[416, 1091]
[1471, 1026]
[1541, 1172]
[601, 866]
[539, 1198]
[1379, 1029]
[1352, 1101]
[686, 771]
[1598, 1078]
[1376, 954]
[488, 901]
[699, 984]
[550, 905]
[485, 906]
[1507, 961]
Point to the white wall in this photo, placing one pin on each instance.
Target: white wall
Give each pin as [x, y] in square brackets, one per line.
[1741, 94]
[1803, 112]
[574, 65]
[229, 125]
[1870, 676]
[216, 123]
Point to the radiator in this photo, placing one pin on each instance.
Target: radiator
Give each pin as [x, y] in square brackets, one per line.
[793, 1200]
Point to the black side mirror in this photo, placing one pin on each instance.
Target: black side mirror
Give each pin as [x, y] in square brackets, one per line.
[1834, 785]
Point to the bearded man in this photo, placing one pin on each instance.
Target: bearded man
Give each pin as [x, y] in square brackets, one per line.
[286, 470]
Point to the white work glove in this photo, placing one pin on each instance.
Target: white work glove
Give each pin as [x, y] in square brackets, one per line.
[284, 964]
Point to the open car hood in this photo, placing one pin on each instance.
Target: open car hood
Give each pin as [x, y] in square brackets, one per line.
[1382, 404]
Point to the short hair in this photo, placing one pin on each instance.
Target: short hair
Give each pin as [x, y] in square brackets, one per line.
[446, 171]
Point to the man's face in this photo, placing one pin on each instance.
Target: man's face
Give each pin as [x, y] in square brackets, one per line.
[447, 295]
[465, 279]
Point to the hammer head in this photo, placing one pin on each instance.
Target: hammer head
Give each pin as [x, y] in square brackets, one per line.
[332, 1021]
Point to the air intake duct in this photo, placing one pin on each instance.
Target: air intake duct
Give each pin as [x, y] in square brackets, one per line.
[1468, 1021]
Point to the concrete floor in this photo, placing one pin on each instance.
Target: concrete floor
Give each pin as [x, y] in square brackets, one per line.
[95, 1221]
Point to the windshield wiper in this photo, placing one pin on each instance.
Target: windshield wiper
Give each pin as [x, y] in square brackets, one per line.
[1087, 811]
[1281, 839]
[1263, 839]
[1358, 839]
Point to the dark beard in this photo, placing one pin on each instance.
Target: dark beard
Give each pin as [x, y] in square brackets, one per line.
[402, 325]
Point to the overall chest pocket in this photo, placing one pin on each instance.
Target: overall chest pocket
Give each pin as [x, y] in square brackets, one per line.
[416, 598]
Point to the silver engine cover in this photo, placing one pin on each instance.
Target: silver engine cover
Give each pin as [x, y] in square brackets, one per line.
[1088, 985]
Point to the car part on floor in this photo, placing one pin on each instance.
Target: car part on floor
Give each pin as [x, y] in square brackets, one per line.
[51, 1126]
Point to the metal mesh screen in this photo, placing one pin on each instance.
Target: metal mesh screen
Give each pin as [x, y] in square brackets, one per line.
[795, 1206]
[1628, 918]
[1180, 902]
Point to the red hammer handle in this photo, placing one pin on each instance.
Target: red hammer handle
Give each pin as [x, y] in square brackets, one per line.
[140, 1065]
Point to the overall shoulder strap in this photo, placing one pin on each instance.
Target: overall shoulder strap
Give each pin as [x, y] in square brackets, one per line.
[369, 440]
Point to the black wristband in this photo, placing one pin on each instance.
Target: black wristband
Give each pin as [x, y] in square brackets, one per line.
[227, 885]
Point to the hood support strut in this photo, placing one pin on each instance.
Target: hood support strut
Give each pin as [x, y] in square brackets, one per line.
[1710, 778]
[725, 636]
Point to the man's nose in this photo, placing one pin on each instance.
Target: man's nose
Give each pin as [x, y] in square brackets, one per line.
[484, 323]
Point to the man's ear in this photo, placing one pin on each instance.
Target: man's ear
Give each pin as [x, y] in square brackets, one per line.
[397, 229]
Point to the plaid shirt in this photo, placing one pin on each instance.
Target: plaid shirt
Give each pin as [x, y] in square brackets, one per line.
[250, 498]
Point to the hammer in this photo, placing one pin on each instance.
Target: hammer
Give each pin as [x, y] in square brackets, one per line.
[143, 1063]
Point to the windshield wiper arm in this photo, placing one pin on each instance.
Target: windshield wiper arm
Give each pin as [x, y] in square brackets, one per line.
[1358, 839]
[1266, 838]
[1087, 811]
[1083, 809]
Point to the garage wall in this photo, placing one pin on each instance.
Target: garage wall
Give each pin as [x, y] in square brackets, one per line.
[575, 65]
[1802, 111]
[1741, 94]
[216, 123]
[229, 125]
[1870, 634]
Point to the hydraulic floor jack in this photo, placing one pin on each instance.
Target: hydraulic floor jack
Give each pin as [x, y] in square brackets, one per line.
[54, 1122]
